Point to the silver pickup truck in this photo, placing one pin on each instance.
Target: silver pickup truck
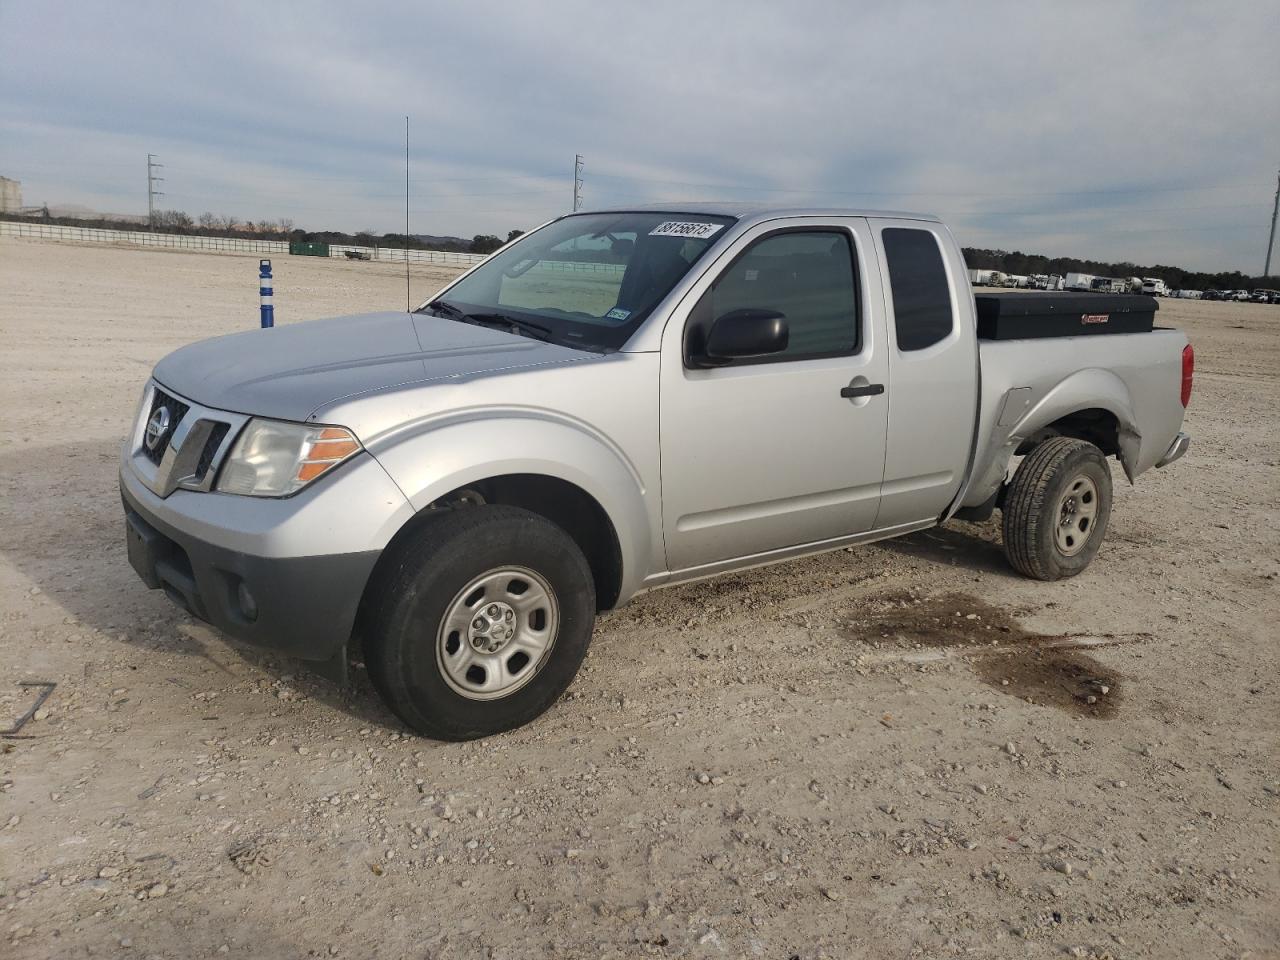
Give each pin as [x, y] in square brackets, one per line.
[617, 401]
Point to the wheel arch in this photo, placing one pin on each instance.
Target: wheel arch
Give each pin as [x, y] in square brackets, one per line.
[1092, 405]
[558, 470]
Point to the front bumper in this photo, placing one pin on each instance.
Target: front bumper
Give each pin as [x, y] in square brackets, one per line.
[257, 574]
[1176, 449]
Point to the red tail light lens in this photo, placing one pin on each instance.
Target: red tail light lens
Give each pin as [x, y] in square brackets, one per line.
[1188, 372]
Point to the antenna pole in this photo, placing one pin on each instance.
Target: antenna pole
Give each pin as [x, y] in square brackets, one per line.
[1271, 237]
[407, 303]
[577, 182]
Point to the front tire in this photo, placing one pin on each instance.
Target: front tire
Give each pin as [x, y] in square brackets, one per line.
[480, 623]
[1056, 509]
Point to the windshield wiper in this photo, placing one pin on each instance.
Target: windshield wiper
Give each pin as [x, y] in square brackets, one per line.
[513, 324]
[499, 321]
[447, 308]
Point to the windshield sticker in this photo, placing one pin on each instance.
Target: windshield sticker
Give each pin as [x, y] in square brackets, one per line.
[678, 228]
[617, 313]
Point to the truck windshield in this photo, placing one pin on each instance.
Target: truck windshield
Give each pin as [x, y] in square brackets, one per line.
[587, 280]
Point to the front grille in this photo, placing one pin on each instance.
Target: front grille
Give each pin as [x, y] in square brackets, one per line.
[177, 410]
[211, 445]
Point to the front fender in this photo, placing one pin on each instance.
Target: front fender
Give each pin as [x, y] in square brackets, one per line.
[433, 457]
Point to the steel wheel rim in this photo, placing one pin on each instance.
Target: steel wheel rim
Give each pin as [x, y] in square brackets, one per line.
[497, 633]
[1077, 516]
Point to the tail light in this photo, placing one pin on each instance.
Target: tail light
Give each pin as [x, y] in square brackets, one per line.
[1188, 372]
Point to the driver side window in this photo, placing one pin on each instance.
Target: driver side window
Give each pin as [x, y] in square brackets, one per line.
[809, 276]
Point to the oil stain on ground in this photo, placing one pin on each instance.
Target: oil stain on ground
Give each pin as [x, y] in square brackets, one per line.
[1038, 668]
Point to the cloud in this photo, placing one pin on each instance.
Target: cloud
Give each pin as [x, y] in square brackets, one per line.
[1140, 131]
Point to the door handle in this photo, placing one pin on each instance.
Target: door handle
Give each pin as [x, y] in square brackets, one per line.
[870, 390]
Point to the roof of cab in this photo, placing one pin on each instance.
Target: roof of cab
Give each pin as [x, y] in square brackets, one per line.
[755, 212]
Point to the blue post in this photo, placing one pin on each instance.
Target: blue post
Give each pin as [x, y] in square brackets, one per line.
[264, 290]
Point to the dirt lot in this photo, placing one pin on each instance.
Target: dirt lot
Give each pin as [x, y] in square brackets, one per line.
[884, 752]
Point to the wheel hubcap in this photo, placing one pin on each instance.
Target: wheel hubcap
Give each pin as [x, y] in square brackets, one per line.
[497, 633]
[1077, 511]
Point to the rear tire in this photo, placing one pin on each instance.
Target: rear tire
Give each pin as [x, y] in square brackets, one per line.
[1056, 509]
[480, 623]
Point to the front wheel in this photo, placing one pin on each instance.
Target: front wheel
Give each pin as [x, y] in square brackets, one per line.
[480, 623]
[1056, 509]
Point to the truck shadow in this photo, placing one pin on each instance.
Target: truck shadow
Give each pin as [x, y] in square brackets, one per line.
[974, 546]
[60, 509]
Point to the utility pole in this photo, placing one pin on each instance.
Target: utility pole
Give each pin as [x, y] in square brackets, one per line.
[577, 182]
[1271, 237]
[152, 192]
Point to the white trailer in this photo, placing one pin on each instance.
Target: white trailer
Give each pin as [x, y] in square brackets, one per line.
[981, 278]
[1153, 286]
[1079, 282]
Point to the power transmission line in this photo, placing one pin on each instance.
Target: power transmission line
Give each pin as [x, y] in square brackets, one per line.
[152, 192]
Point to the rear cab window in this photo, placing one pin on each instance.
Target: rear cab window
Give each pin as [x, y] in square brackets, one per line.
[918, 283]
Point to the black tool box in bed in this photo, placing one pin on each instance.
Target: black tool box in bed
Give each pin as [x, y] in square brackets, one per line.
[1021, 316]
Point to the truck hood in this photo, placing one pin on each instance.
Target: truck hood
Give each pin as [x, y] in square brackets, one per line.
[289, 372]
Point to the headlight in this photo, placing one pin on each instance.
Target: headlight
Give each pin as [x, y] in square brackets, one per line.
[272, 458]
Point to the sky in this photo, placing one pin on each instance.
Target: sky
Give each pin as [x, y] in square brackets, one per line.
[1147, 132]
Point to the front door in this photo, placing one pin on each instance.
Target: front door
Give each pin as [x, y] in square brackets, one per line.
[764, 454]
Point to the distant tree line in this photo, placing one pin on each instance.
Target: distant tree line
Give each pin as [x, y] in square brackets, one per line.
[1025, 264]
[222, 225]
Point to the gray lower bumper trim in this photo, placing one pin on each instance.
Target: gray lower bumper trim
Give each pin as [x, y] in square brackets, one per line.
[1176, 450]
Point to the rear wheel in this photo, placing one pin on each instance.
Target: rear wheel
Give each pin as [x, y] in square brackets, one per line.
[480, 623]
[1056, 509]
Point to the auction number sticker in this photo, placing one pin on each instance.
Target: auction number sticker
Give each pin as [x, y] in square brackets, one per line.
[680, 228]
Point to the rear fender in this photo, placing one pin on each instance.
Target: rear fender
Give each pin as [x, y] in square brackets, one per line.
[1091, 389]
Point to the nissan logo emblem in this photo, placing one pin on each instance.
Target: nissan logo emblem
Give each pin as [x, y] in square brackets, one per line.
[157, 427]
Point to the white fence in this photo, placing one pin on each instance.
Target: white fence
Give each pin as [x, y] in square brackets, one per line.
[443, 258]
[56, 232]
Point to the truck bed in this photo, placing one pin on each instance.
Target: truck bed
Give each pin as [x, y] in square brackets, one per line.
[1135, 377]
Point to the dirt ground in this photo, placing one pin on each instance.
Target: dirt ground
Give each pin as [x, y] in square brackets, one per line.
[903, 750]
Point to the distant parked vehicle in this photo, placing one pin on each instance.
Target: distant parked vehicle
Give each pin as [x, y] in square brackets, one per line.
[1110, 285]
[980, 278]
[1260, 296]
[1212, 295]
[1275, 296]
[1239, 296]
[1154, 287]
[1078, 282]
[1188, 294]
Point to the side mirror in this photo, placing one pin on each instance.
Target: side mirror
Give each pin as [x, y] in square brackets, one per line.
[742, 334]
